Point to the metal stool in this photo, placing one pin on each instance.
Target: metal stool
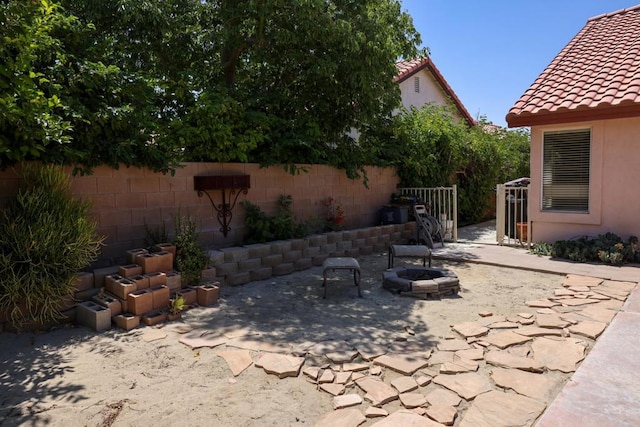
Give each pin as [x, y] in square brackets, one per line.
[341, 263]
[409, 251]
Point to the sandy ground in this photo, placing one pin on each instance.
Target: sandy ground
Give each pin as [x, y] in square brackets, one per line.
[76, 377]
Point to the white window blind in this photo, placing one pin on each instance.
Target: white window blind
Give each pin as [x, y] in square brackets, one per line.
[565, 171]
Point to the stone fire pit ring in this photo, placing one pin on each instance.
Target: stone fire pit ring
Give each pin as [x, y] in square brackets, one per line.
[421, 281]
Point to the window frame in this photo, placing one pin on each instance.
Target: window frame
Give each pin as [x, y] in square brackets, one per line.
[573, 186]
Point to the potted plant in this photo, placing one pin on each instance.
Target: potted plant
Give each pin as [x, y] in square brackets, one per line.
[335, 211]
[177, 305]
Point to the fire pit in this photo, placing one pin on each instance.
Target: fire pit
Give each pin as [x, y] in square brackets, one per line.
[421, 281]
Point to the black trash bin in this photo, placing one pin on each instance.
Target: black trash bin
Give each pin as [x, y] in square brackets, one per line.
[394, 215]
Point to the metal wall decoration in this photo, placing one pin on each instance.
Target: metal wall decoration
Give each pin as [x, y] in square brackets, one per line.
[234, 184]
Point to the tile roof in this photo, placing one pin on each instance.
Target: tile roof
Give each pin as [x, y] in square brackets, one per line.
[596, 76]
[408, 68]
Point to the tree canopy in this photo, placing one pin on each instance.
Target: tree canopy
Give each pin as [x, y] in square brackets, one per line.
[431, 147]
[149, 83]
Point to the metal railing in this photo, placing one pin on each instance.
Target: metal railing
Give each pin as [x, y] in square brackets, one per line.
[512, 216]
[442, 203]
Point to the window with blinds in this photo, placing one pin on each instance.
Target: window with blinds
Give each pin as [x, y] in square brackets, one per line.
[416, 84]
[565, 171]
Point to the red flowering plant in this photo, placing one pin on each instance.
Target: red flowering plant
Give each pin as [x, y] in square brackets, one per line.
[335, 211]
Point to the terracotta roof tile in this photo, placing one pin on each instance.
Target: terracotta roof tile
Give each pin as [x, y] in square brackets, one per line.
[407, 68]
[598, 70]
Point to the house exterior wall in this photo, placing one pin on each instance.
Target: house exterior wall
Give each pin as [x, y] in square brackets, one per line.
[614, 205]
[430, 91]
[125, 200]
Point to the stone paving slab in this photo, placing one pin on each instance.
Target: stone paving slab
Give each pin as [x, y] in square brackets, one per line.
[281, 365]
[559, 355]
[498, 409]
[405, 364]
[237, 360]
[467, 385]
[528, 384]
[341, 417]
[406, 418]
[598, 379]
[610, 376]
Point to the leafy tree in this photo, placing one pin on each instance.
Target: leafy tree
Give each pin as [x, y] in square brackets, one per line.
[142, 82]
[31, 118]
[61, 103]
[274, 82]
[431, 147]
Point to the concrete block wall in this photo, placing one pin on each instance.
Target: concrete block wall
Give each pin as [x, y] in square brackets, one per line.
[126, 200]
[243, 264]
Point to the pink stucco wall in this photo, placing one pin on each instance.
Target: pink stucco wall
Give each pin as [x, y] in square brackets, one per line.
[614, 183]
[125, 200]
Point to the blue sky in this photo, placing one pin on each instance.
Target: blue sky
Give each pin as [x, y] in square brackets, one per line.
[491, 51]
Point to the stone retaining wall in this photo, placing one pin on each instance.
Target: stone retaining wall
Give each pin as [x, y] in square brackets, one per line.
[244, 264]
[100, 301]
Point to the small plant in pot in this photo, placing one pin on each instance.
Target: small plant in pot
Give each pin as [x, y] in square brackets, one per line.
[176, 307]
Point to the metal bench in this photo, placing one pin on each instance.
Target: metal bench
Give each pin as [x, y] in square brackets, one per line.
[341, 263]
[409, 251]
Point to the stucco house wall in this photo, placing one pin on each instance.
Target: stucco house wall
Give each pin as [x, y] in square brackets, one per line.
[592, 83]
[430, 91]
[614, 205]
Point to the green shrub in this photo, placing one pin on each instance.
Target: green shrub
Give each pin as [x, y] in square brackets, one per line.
[541, 248]
[46, 237]
[608, 248]
[190, 258]
[261, 227]
[431, 147]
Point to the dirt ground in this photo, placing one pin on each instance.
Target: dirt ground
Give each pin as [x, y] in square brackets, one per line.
[76, 377]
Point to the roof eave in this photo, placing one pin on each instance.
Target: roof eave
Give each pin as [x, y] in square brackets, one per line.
[573, 116]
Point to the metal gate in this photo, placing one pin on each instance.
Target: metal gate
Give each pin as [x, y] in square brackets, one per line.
[442, 203]
[512, 215]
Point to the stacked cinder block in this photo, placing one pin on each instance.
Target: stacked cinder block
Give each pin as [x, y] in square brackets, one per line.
[139, 291]
[260, 261]
[128, 290]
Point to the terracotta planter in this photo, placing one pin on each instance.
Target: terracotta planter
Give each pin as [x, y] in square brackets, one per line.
[174, 280]
[140, 302]
[150, 262]
[208, 293]
[127, 321]
[165, 261]
[160, 297]
[173, 316]
[190, 296]
[166, 247]
[133, 253]
[522, 229]
[142, 282]
[129, 270]
[156, 279]
[154, 318]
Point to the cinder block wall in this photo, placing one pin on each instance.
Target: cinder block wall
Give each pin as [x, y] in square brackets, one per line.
[126, 200]
[244, 264]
